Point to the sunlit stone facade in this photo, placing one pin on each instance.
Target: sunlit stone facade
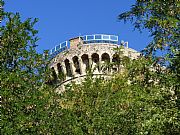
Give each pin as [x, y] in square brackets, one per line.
[84, 53]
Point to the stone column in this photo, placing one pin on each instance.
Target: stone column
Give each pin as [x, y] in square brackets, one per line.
[110, 68]
[81, 66]
[100, 64]
[72, 68]
[56, 70]
[90, 62]
[64, 70]
[110, 58]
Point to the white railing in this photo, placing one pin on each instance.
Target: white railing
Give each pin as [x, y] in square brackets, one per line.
[87, 39]
[62, 46]
[98, 37]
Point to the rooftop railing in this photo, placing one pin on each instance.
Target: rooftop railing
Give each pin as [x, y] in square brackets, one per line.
[100, 38]
[58, 49]
[87, 39]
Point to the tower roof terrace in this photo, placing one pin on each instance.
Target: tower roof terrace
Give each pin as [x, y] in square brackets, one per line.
[84, 40]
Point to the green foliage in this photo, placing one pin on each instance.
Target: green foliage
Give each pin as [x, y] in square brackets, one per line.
[120, 59]
[161, 18]
[25, 98]
[137, 101]
[1, 10]
[143, 98]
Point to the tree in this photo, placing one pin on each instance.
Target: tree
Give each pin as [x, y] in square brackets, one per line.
[26, 101]
[1, 10]
[161, 18]
[135, 101]
[143, 99]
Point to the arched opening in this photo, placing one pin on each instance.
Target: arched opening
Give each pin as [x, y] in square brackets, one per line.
[60, 72]
[95, 62]
[95, 58]
[68, 68]
[85, 61]
[54, 75]
[76, 65]
[105, 57]
[59, 68]
[116, 61]
[105, 60]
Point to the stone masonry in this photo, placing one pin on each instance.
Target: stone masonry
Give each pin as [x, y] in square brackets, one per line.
[74, 62]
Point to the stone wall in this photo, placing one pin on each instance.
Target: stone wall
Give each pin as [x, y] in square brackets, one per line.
[75, 62]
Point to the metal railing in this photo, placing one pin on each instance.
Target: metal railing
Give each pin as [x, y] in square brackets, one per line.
[58, 49]
[100, 38]
[87, 39]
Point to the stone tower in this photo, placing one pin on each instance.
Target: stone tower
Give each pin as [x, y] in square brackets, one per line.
[73, 58]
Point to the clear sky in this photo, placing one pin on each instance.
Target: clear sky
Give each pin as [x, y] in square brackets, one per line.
[60, 20]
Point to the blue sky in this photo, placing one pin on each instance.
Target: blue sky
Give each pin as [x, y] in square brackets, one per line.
[60, 20]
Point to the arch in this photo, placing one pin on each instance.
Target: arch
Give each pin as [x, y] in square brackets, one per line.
[60, 72]
[68, 68]
[105, 59]
[95, 62]
[54, 75]
[76, 64]
[59, 68]
[95, 58]
[85, 60]
[116, 61]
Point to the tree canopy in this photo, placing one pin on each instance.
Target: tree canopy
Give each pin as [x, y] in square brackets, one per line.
[161, 18]
[143, 99]
[25, 98]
